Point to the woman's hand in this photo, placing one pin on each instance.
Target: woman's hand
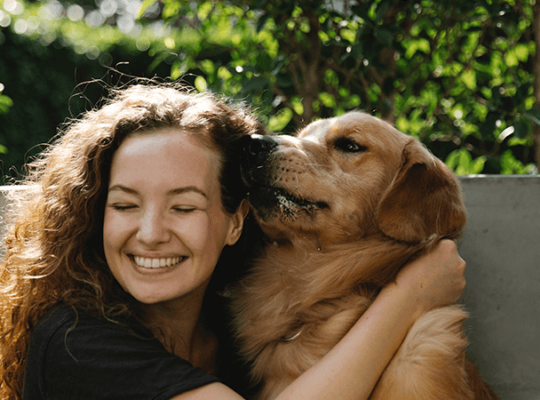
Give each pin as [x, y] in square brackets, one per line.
[435, 279]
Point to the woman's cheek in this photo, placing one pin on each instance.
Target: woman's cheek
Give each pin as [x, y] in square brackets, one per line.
[194, 231]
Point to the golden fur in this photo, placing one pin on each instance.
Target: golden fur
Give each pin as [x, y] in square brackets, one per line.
[343, 207]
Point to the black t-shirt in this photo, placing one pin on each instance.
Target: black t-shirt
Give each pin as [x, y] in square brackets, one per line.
[99, 359]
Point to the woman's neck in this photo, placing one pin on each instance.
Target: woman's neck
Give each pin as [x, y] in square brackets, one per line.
[177, 324]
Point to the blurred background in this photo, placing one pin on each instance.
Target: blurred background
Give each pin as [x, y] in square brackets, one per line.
[462, 76]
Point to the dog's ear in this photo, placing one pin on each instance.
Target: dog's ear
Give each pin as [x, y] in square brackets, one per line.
[424, 199]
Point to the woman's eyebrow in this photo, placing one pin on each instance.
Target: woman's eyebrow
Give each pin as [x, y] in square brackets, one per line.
[172, 192]
[185, 189]
[122, 188]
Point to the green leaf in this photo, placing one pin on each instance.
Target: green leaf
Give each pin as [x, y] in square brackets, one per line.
[522, 52]
[521, 128]
[200, 84]
[357, 50]
[381, 10]
[511, 58]
[256, 84]
[5, 104]
[462, 163]
[3, 149]
[533, 115]
[262, 21]
[469, 79]
[496, 96]
[413, 46]
[477, 165]
[384, 36]
[144, 6]
[327, 99]
[177, 70]
[511, 165]
[263, 61]
[361, 12]
[277, 122]
[488, 127]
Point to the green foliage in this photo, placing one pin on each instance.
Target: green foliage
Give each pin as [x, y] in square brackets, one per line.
[5, 104]
[43, 68]
[457, 75]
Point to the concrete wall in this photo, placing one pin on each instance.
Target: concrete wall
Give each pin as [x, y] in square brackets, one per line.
[502, 249]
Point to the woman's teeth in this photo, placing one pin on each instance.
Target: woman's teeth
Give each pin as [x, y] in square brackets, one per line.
[156, 262]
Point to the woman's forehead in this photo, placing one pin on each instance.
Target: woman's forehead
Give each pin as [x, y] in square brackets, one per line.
[167, 157]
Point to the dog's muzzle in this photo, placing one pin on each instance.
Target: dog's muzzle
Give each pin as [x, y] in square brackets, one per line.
[254, 153]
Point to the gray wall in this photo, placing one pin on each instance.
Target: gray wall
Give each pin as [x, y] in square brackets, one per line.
[502, 249]
[501, 246]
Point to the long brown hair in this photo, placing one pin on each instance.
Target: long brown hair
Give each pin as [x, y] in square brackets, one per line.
[54, 251]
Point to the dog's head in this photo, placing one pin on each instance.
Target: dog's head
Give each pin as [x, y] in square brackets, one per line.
[350, 177]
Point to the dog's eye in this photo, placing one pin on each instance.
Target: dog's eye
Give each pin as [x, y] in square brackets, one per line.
[348, 145]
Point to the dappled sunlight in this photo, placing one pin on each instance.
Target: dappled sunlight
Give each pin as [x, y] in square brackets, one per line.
[89, 31]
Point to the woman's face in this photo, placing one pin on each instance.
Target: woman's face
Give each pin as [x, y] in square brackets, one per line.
[164, 226]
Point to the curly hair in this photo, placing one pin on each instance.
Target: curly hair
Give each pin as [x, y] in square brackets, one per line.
[54, 250]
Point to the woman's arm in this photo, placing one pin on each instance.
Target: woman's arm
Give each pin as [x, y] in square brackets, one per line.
[353, 367]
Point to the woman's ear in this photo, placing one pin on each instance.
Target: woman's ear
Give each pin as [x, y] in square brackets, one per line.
[237, 222]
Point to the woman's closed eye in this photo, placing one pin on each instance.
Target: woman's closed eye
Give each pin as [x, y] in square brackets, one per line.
[123, 206]
[184, 209]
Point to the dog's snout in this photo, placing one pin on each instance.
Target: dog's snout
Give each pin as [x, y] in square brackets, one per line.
[256, 149]
[254, 153]
[254, 145]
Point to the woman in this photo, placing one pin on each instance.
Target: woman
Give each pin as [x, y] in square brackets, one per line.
[115, 254]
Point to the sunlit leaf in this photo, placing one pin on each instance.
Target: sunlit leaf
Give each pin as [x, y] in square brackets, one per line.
[522, 52]
[462, 162]
[200, 84]
[176, 70]
[5, 103]
[476, 166]
[469, 78]
[327, 99]
[144, 6]
[278, 122]
[511, 58]
[510, 165]
[297, 105]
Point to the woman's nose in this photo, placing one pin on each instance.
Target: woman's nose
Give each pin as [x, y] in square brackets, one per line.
[153, 229]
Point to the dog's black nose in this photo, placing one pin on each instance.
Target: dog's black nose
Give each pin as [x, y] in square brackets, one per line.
[254, 153]
[256, 145]
[255, 150]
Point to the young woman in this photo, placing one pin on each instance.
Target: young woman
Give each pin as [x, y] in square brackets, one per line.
[117, 249]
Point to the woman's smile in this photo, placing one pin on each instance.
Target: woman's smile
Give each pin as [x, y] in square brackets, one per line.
[155, 263]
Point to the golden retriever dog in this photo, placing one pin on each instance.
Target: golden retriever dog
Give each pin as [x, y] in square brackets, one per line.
[342, 207]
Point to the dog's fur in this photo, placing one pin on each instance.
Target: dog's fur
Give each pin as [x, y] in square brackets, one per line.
[343, 207]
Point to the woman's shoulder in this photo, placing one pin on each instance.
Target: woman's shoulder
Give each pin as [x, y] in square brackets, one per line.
[74, 352]
[63, 321]
[53, 320]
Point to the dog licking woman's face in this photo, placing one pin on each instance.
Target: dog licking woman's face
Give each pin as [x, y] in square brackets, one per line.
[164, 224]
